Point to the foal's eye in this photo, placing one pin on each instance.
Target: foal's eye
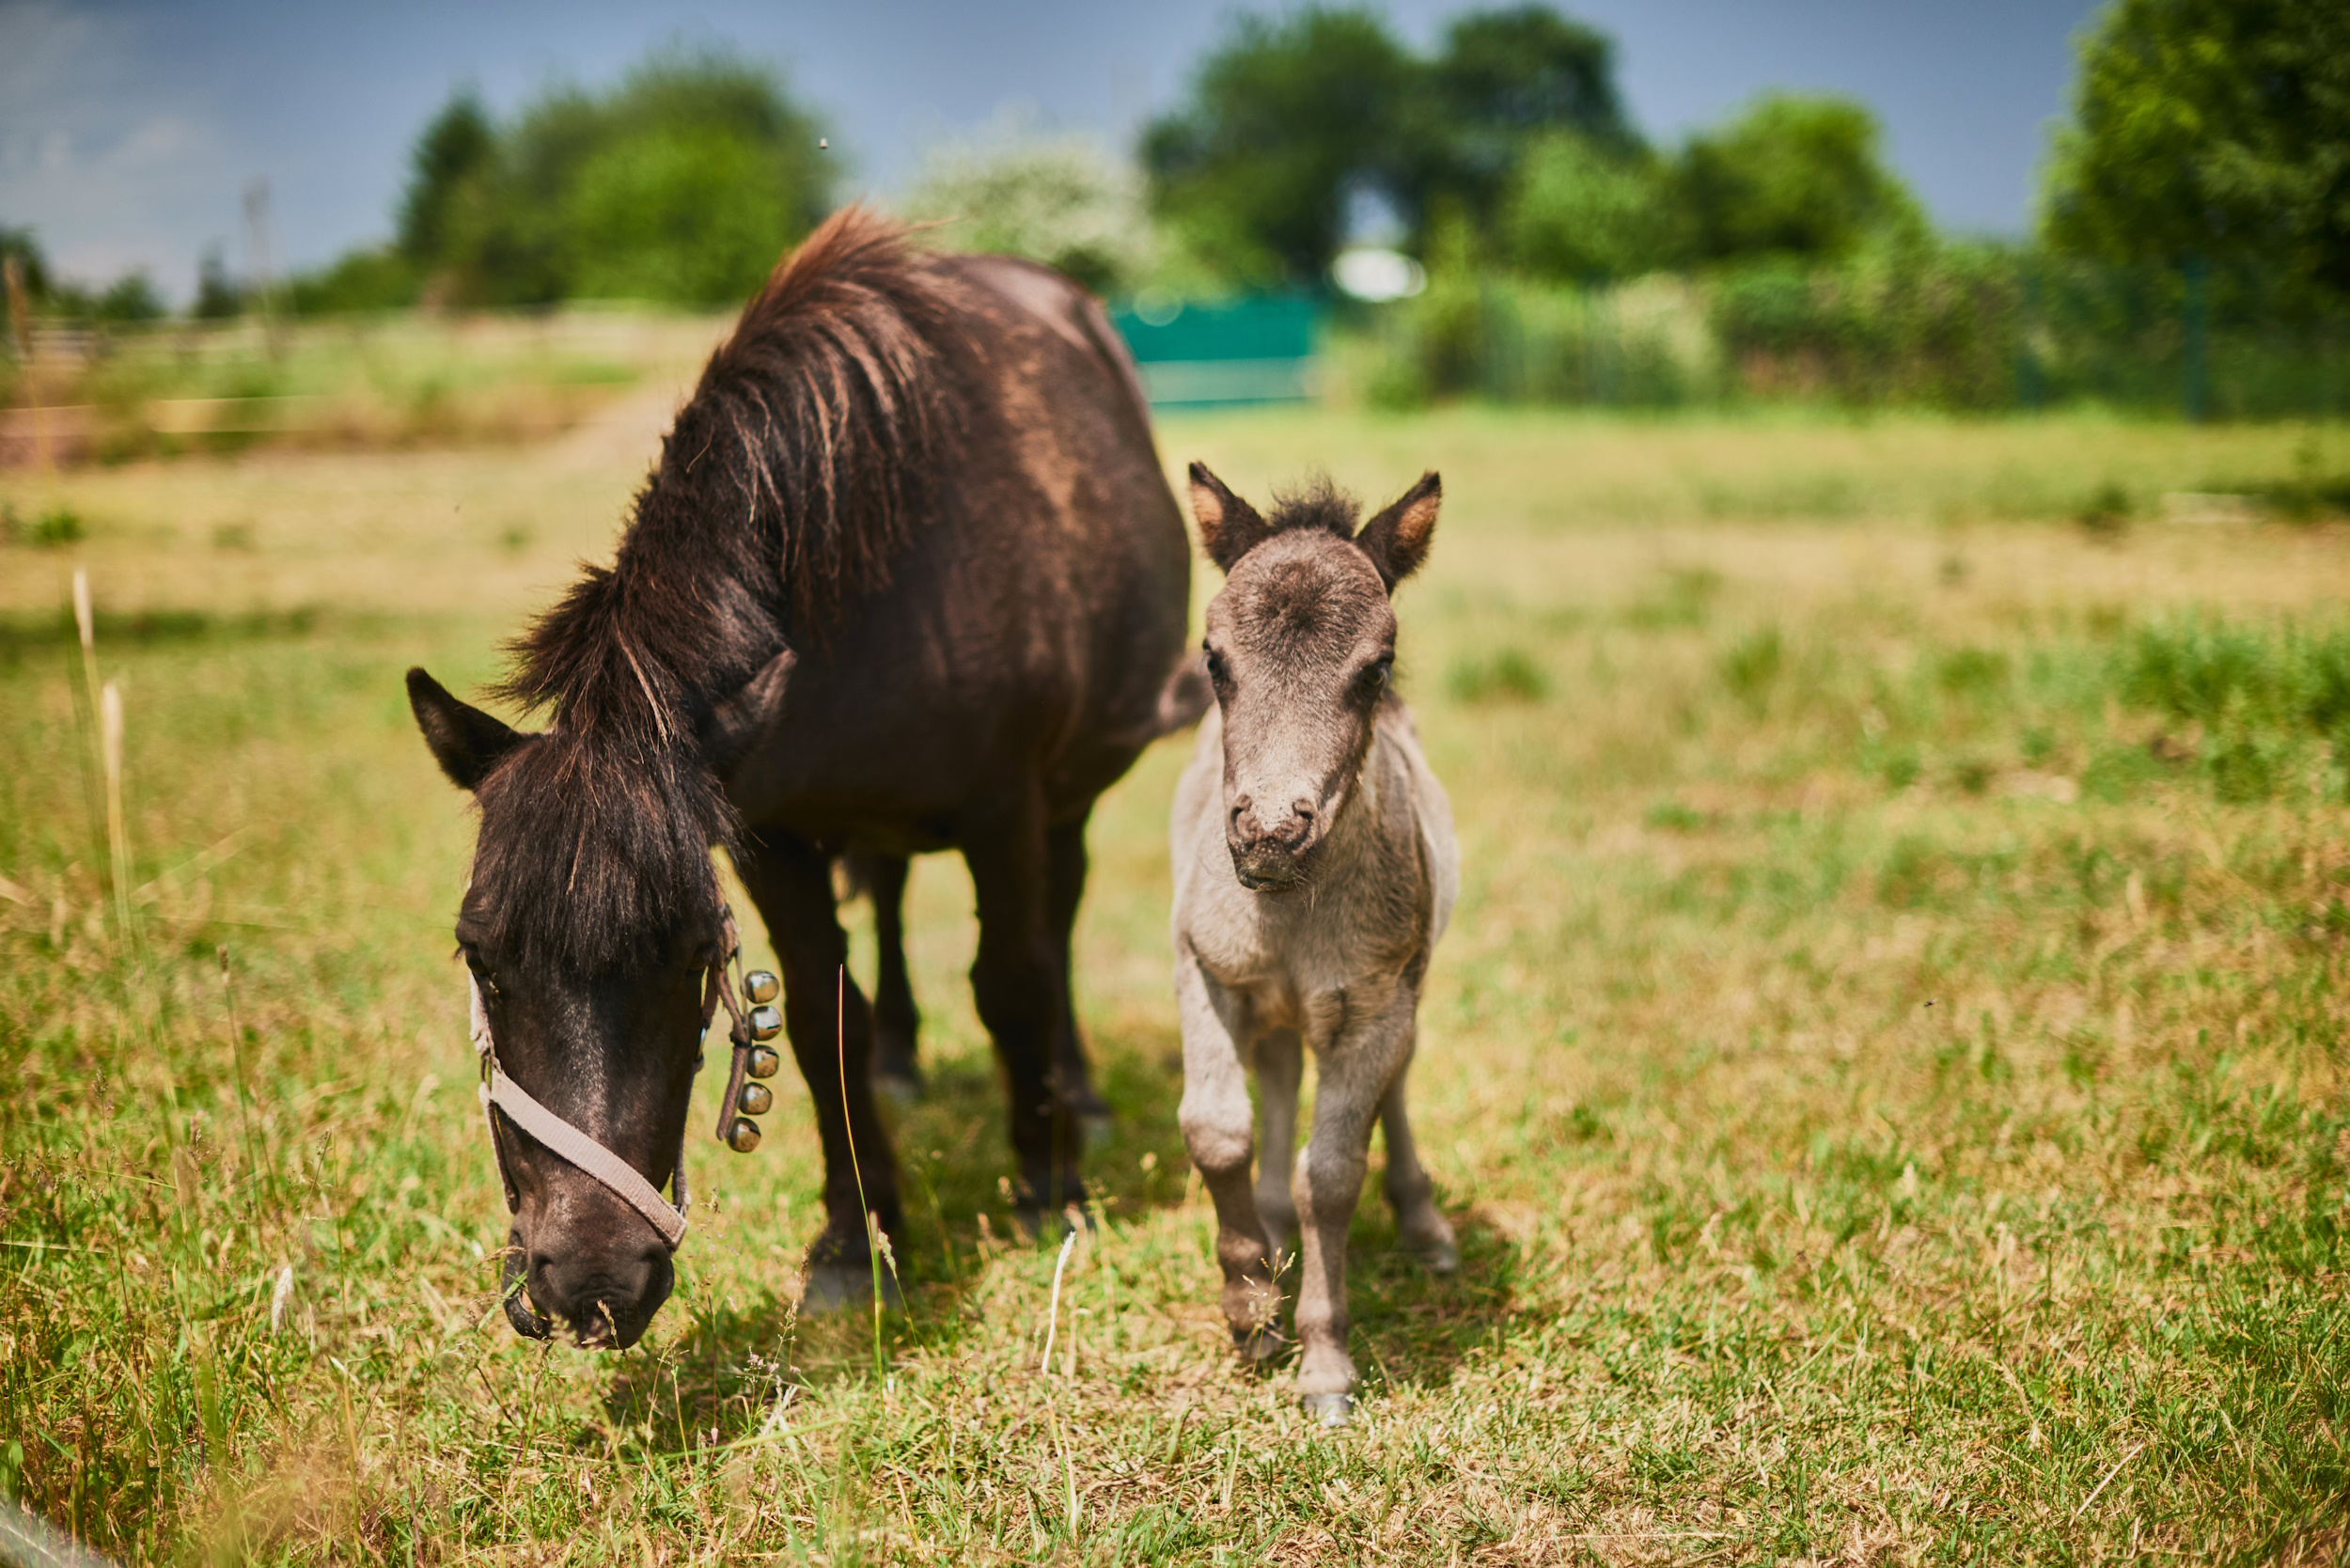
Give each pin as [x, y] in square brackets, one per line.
[1215, 666]
[1376, 676]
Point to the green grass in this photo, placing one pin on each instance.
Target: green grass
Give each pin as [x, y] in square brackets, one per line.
[1886, 1071]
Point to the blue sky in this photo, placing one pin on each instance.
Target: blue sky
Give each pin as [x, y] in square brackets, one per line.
[129, 127]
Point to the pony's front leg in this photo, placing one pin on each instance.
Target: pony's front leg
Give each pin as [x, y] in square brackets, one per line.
[1216, 1129]
[831, 1031]
[1354, 1072]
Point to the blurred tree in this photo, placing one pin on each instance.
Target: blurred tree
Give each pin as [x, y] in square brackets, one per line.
[378, 278]
[1579, 208]
[1294, 126]
[1792, 176]
[683, 184]
[217, 296]
[24, 247]
[1058, 199]
[1505, 79]
[457, 147]
[685, 214]
[2211, 129]
[129, 298]
[1283, 121]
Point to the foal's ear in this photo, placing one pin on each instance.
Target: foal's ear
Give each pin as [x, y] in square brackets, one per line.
[466, 741]
[1229, 526]
[1397, 540]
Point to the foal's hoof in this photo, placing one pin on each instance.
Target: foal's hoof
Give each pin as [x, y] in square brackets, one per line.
[834, 1287]
[1330, 1409]
[1437, 1255]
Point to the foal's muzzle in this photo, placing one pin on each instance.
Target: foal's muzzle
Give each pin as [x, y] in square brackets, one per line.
[1271, 844]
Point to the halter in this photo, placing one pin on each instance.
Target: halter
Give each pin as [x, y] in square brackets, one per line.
[753, 1060]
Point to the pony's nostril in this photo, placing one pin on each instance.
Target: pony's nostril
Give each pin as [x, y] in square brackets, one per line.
[1304, 809]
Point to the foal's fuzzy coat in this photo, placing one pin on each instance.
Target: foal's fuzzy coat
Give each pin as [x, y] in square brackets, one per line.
[1315, 868]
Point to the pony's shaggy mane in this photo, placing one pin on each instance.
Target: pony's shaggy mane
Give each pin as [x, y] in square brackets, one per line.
[786, 488]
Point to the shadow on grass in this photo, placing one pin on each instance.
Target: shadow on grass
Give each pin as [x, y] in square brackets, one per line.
[717, 1381]
[1413, 1329]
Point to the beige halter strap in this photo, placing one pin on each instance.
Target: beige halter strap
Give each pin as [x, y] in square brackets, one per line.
[501, 1093]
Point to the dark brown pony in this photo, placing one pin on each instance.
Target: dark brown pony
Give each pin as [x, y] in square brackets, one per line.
[907, 577]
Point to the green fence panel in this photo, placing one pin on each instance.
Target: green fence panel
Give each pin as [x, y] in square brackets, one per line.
[1254, 350]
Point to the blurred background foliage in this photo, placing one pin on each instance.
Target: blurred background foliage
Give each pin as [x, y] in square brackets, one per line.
[2193, 250]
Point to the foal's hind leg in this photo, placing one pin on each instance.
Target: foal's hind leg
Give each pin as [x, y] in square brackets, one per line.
[1421, 1230]
[790, 881]
[1280, 1066]
[896, 1070]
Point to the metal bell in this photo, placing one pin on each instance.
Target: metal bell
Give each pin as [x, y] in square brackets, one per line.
[760, 985]
[744, 1136]
[763, 1063]
[756, 1099]
[766, 1023]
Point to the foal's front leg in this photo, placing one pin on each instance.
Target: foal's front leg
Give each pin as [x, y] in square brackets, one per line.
[1354, 1070]
[1280, 1066]
[1216, 1123]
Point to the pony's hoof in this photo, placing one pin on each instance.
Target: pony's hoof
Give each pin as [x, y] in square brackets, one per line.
[1260, 1345]
[1330, 1409]
[1036, 1225]
[834, 1287]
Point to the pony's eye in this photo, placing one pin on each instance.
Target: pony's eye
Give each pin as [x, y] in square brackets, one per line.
[1376, 676]
[1216, 671]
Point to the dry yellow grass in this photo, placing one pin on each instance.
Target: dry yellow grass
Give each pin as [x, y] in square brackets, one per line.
[1893, 1114]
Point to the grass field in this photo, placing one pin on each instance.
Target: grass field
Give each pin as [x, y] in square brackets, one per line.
[1884, 1070]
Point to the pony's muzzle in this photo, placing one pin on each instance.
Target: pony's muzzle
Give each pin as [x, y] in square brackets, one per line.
[607, 1299]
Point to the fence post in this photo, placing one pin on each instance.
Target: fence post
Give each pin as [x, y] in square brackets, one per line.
[2031, 390]
[2196, 390]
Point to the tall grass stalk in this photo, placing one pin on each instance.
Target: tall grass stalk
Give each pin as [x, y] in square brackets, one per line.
[873, 1223]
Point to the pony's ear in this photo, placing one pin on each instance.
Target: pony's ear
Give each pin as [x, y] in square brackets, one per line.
[735, 725]
[466, 741]
[1229, 526]
[1397, 540]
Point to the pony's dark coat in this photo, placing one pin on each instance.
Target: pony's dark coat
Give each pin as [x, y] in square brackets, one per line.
[906, 577]
[789, 484]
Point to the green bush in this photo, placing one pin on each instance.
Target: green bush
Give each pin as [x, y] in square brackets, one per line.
[1898, 323]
